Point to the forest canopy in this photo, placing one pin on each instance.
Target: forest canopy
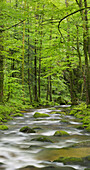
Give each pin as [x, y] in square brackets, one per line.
[44, 51]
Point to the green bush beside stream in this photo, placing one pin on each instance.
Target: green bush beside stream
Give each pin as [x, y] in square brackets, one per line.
[82, 112]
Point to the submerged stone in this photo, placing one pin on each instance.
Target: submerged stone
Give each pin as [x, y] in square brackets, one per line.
[64, 121]
[46, 168]
[82, 144]
[61, 133]
[27, 129]
[43, 139]
[37, 128]
[37, 115]
[69, 160]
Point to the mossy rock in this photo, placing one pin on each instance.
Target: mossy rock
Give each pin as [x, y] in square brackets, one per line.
[1, 119]
[58, 112]
[27, 129]
[88, 127]
[61, 133]
[82, 144]
[4, 120]
[3, 127]
[80, 127]
[54, 112]
[63, 113]
[43, 139]
[64, 121]
[18, 115]
[37, 128]
[70, 160]
[37, 115]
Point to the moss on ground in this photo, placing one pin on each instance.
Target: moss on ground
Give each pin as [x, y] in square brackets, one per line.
[82, 112]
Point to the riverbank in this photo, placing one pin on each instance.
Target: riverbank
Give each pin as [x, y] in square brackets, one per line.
[82, 112]
[10, 110]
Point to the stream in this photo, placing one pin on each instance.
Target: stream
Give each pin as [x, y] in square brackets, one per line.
[18, 151]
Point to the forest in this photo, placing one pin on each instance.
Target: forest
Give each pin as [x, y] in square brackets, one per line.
[44, 53]
[45, 84]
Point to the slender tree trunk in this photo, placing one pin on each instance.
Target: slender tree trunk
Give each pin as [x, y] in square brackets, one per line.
[1, 65]
[29, 84]
[71, 75]
[23, 51]
[47, 88]
[39, 77]
[86, 48]
[50, 82]
[35, 66]
[1, 70]
[78, 50]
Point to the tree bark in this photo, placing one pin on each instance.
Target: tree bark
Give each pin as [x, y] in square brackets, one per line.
[29, 84]
[71, 74]
[86, 48]
[1, 65]
[35, 66]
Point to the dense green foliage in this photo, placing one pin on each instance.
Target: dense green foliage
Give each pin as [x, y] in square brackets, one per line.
[44, 54]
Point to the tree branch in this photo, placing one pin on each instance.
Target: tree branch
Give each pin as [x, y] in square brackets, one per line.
[2, 30]
[68, 16]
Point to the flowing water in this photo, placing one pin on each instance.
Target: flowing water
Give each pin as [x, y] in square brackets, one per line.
[19, 151]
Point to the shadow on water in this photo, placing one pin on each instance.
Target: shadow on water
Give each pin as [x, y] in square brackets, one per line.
[28, 151]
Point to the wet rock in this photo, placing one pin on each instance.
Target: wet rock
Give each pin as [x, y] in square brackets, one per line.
[42, 139]
[69, 160]
[61, 133]
[2, 166]
[37, 115]
[85, 161]
[80, 127]
[3, 127]
[46, 168]
[18, 115]
[27, 129]
[82, 144]
[64, 121]
[37, 128]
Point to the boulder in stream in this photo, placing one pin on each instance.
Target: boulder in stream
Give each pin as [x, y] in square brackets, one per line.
[43, 139]
[37, 115]
[27, 129]
[46, 168]
[3, 127]
[70, 160]
[61, 133]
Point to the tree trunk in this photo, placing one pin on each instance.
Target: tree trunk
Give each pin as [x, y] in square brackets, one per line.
[71, 74]
[1, 66]
[47, 88]
[50, 82]
[1, 71]
[29, 84]
[86, 46]
[35, 66]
